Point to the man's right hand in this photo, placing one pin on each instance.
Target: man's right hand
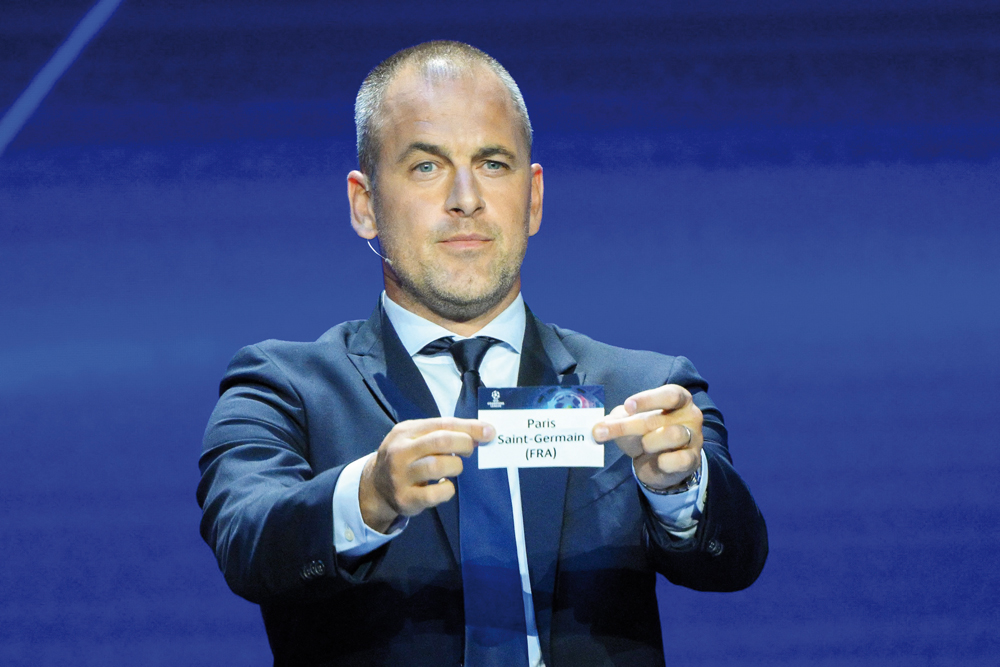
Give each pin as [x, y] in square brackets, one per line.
[396, 481]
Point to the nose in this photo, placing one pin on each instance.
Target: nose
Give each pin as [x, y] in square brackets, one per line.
[465, 198]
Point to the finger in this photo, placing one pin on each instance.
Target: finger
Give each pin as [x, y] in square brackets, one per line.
[434, 468]
[618, 413]
[599, 431]
[644, 422]
[669, 438]
[681, 461]
[632, 446]
[636, 425]
[647, 470]
[442, 442]
[432, 495]
[479, 430]
[667, 468]
[668, 397]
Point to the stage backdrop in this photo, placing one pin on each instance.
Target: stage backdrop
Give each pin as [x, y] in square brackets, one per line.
[800, 197]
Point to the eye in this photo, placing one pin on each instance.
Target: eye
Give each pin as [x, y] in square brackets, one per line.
[493, 165]
[425, 167]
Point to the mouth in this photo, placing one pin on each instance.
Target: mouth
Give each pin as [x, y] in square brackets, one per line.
[466, 241]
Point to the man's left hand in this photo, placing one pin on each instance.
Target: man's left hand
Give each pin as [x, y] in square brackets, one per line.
[660, 429]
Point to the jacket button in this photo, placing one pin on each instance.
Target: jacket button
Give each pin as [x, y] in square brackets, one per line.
[312, 570]
[714, 547]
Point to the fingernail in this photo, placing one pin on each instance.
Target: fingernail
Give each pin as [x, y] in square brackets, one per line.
[600, 433]
[630, 406]
[489, 433]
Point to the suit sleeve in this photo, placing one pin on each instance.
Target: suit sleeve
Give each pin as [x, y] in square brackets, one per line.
[728, 550]
[265, 514]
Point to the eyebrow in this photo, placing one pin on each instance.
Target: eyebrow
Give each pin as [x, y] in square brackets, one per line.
[433, 149]
[421, 147]
[493, 151]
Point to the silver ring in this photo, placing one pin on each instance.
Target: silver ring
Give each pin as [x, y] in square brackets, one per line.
[690, 434]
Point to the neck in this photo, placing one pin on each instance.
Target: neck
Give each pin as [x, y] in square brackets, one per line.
[464, 328]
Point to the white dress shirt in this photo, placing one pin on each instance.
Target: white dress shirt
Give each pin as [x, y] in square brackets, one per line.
[352, 538]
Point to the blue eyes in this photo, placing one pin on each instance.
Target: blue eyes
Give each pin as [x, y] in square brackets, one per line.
[430, 167]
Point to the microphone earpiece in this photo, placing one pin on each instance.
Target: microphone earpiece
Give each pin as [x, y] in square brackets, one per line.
[387, 260]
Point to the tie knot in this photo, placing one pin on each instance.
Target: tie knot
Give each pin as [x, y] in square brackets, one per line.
[468, 354]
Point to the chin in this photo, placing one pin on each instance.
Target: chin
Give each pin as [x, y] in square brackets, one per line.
[462, 305]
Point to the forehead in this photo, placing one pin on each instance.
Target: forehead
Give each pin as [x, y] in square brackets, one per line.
[464, 108]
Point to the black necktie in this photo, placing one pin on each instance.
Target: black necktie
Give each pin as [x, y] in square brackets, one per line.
[495, 629]
[468, 355]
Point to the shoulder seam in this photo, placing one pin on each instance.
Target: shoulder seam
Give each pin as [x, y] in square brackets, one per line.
[290, 385]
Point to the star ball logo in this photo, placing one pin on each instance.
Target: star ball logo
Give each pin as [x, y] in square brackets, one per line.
[496, 402]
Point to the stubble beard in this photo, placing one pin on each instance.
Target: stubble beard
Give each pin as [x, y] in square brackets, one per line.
[444, 298]
[436, 289]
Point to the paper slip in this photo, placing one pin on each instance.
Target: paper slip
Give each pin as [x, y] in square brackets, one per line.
[542, 426]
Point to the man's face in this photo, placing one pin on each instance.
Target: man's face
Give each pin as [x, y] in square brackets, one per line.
[455, 198]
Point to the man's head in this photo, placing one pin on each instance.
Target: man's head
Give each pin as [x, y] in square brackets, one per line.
[438, 59]
[456, 195]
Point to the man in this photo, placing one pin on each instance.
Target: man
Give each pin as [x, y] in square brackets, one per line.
[330, 469]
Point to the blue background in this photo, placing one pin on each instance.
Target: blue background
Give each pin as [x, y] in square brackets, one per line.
[801, 197]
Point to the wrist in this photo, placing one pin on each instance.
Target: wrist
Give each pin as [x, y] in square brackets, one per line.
[375, 511]
[687, 484]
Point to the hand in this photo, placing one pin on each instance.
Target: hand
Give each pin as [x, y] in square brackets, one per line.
[394, 482]
[649, 428]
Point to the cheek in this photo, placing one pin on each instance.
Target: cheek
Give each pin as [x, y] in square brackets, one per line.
[390, 218]
[509, 208]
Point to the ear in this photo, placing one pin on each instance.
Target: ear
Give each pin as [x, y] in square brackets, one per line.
[535, 205]
[359, 195]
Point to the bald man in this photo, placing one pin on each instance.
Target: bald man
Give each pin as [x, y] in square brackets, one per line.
[340, 481]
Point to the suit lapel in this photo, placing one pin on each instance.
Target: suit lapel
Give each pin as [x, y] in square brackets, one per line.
[389, 372]
[544, 361]
[396, 382]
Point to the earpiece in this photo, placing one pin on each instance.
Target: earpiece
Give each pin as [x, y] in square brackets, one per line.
[387, 260]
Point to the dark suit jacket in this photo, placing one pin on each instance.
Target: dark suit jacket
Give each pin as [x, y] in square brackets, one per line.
[292, 415]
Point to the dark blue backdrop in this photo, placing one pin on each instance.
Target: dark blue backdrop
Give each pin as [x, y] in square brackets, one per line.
[801, 197]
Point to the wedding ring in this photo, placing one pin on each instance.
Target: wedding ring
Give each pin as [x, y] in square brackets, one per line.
[690, 434]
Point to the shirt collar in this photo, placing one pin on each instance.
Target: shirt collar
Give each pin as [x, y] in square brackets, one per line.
[415, 332]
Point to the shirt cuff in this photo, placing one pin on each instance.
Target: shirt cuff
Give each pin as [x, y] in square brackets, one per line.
[352, 538]
[679, 512]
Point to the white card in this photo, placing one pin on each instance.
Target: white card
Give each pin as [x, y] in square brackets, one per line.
[542, 427]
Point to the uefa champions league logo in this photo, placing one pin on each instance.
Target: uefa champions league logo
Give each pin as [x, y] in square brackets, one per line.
[496, 402]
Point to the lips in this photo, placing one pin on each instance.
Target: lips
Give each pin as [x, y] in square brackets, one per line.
[466, 241]
[467, 237]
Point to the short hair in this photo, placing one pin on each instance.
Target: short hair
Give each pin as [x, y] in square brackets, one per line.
[438, 59]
